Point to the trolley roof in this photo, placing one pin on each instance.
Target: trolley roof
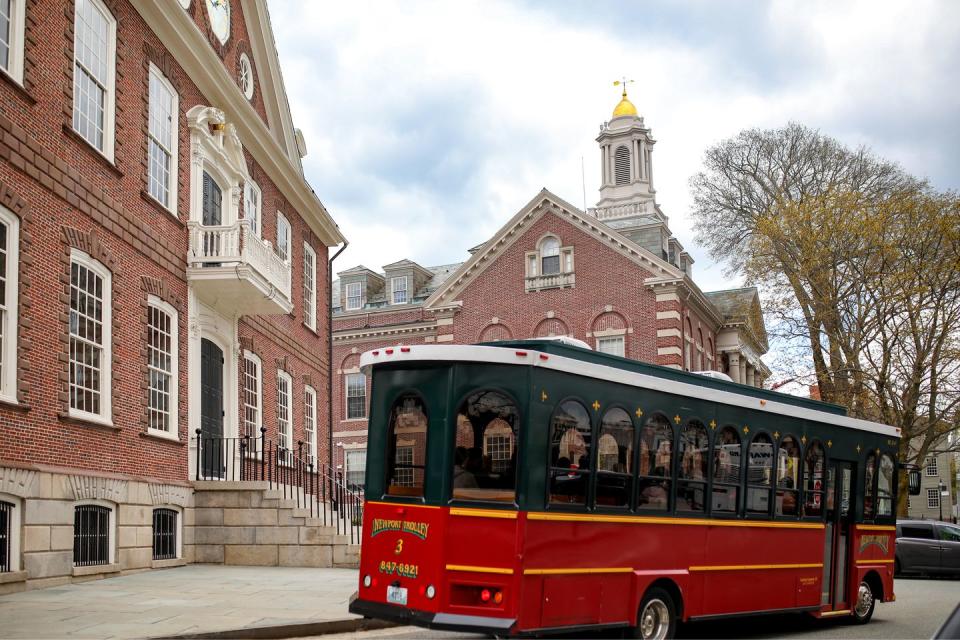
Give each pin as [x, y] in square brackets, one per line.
[585, 362]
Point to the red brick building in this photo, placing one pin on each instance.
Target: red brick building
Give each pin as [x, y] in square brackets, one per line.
[613, 276]
[163, 270]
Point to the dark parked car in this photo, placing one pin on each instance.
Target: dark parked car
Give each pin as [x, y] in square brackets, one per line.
[927, 547]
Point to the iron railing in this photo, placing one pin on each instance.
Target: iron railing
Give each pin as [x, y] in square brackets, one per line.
[314, 486]
[6, 524]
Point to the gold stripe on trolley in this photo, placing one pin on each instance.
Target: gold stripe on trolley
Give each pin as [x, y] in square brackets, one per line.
[874, 527]
[403, 504]
[554, 572]
[883, 561]
[464, 567]
[748, 567]
[483, 513]
[574, 517]
[841, 612]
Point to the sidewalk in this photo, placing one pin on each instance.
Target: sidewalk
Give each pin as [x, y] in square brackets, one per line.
[193, 600]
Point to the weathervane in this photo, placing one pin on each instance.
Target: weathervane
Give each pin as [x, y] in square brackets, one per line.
[623, 81]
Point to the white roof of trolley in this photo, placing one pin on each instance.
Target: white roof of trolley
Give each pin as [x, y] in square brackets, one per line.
[534, 358]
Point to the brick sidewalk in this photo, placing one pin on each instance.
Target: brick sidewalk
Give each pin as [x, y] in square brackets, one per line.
[196, 599]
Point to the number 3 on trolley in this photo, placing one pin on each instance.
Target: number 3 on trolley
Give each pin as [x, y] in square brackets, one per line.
[399, 548]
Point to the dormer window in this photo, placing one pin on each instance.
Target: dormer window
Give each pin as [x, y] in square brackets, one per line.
[398, 288]
[354, 296]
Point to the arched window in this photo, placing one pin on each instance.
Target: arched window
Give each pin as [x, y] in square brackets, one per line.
[870, 486]
[621, 165]
[700, 350]
[93, 539]
[885, 486]
[166, 539]
[687, 338]
[694, 448]
[569, 454]
[653, 467]
[485, 463]
[615, 459]
[407, 446]
[788, 477]
[550, 256]
[759, 471]
[726, 471]
[813, 466]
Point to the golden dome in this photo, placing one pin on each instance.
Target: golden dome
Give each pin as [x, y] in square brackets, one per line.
[625, 107]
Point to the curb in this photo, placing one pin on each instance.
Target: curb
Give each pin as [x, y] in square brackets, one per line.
[346, 625]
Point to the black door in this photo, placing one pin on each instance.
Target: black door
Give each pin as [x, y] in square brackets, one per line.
[212, 460]
[212, 217]
[839, 498]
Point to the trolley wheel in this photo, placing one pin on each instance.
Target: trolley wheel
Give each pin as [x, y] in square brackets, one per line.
[864, 605]
[656, 617]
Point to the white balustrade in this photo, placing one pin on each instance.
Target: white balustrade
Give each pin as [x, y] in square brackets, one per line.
[234, 244]
[618, 211]
[549, 281]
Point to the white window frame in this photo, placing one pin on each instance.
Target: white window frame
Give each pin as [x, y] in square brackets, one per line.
[14, 67]
[309, 292]
[310, 423]
[932, 469]
[394, 290]
[620, 338]
[173, 433]
[15, 522]
[285, 433]
[346, 395]
[113, 530]
[9, 309]
[172, 180]
[106, 369]
[254, 222]
[347, 455]
[346, 305]
[249, 356]
[933, 498]
[284, 234]
[110, 92]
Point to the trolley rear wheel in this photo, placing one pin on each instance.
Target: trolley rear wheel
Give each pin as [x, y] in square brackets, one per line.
[657, 616]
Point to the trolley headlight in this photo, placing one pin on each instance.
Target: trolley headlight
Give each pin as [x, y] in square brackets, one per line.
[431, 592]
[367, 580]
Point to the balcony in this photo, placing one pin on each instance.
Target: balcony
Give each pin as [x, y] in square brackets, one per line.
[615, 212]
[236, 272]
[551, 281]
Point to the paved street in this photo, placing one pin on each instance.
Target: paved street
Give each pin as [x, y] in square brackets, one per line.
[920, 608]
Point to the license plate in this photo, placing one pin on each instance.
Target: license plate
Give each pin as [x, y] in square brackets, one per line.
[397, 595]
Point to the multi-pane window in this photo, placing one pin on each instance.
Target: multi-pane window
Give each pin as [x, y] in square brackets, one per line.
[11, 38]
[162, 141]
[932, 466]
[309, 286]
[284, 417]
[356, 396]
[933, 498]
[550, 256]
[91, 535]
[251, 206]
[252, 393]
[354, 296]
[89, 337]
[94, 46]
[398, 286]
[9, 236]
[162, 367]
[356, 462]
[283, 237]
[612, 345]
[310, 422]
[164, 534]
[6, 536]
[403, 467]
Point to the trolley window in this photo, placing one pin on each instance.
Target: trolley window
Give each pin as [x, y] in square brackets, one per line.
[759, 467]
[694, 458]
[653, 468]
[813, 464]
[407, 447]
[885, 486]
[570, 454]
[485, 459]
[615, 459]
[869, 486]
[788, 476]
[726, 471]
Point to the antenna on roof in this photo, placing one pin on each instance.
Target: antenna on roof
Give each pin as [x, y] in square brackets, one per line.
[583, 184]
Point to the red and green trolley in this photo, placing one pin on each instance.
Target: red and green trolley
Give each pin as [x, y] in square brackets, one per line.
[530, 487]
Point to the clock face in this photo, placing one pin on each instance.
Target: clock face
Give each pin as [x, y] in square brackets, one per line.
[219, 12]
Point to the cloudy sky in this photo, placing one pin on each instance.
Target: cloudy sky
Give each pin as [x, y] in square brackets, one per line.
[429, 124]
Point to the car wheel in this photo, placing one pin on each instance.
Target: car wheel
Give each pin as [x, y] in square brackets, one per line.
[656, 617]
[864, 605]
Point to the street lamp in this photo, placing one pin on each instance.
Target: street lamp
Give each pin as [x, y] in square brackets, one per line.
[943, 492]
